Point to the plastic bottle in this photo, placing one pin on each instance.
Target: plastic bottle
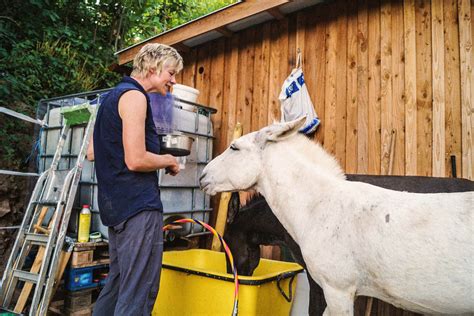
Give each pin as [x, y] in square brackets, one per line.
[84, 224]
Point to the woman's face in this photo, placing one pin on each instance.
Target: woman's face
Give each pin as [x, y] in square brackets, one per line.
[164, 80]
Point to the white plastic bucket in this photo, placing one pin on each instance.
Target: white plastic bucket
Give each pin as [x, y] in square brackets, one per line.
[186, 93]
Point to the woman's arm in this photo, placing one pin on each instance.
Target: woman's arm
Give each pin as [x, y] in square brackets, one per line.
[132, 110]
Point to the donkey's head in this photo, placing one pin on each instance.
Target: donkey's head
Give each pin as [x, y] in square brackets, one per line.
[239, 237]
[239, 166]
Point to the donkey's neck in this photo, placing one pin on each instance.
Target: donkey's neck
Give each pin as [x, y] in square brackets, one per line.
[292, 182]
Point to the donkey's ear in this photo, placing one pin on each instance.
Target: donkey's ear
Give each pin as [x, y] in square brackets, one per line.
[281, 131]
[233, 207]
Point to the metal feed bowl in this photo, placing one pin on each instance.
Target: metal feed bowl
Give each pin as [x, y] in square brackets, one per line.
[176, 145]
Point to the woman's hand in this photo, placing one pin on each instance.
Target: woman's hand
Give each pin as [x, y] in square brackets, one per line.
[173, 167]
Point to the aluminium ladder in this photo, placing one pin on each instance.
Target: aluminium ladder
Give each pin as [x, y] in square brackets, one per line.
[50, 204]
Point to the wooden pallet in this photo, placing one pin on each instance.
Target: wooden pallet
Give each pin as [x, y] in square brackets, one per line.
[89, 254]
[76, 303]
[57, 308]
[78, 300]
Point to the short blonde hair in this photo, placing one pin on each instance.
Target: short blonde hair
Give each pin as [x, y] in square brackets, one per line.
[155, 56]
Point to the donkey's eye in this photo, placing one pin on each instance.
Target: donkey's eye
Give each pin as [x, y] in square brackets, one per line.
[232, 147]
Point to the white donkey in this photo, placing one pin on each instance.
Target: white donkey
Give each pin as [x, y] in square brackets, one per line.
[414, 251]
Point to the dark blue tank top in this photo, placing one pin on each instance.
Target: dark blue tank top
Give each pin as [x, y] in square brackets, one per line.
[122, 193]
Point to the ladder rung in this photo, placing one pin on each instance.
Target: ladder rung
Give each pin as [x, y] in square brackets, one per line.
[37, 238]
[26, 276]
[47, 203]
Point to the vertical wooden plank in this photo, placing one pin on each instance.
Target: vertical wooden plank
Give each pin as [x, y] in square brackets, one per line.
[292, 34]
[423, 87]
[362, 88]
[398, 86]
[250, 83]
[386, 84]
[245, 79]
[258, 81]
[286, 63]
[330, 85]
[374, 87]
[230, 85]
[300, 34]
[189, 71]
[410, 87]
[217, 91]
[467, 82]
[351, 153]
[452, 86]
[315, 63]
[380, 307]
[437, 48]
[179, 76]
[264, 78]
[274, 83]
[203, 70]
[341, 81]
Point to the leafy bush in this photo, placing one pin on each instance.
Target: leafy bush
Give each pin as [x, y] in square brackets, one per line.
[51, 48]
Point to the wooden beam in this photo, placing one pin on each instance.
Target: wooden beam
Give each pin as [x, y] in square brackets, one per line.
[181, 47]
[206, 24]
[224, 31]
[276, 13]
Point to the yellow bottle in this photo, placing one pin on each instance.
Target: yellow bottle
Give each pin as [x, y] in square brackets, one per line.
[84, 224]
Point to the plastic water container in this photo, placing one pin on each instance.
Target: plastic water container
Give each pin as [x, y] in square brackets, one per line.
[180, 195]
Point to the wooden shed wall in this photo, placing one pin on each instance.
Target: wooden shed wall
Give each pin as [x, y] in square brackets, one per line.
[373, 69]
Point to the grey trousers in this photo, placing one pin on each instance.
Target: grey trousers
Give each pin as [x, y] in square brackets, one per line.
[135, 249]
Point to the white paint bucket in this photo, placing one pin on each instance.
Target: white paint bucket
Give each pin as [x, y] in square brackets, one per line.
[186, 93]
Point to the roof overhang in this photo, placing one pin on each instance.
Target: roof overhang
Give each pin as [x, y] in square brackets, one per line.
[223, 22]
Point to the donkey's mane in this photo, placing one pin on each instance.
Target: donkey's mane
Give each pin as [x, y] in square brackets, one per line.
[315, 155]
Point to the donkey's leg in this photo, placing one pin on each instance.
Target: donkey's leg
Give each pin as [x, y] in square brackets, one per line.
[340, 302]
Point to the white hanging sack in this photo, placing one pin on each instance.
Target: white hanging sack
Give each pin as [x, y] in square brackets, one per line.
[295, 101]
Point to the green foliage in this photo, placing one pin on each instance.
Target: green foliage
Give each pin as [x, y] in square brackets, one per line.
[50, 48]
[160, 16]
[47, 49]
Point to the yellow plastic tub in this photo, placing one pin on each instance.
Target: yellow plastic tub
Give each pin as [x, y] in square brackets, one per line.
[195, 282]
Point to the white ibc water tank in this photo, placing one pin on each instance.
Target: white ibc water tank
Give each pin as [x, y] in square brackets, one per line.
[180, 195]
